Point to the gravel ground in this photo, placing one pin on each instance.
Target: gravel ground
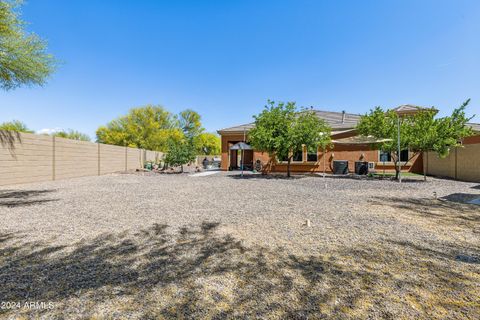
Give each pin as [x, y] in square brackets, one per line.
[222, 246]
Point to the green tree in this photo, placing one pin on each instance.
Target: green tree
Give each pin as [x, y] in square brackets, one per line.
[148, 127]
[23, 56]
[420, 132]
[207, 144]
[180, 152]
[383, 126]
[282, 130]
[190, 123]
[72, 134]
[15, 125]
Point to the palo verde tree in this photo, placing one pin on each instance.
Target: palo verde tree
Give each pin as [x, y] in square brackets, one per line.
[23, 56]
[282, 130]
[16, 126]
[72, 134]
[149, 127]
[207, 144]
[419, 133]
[154, 128]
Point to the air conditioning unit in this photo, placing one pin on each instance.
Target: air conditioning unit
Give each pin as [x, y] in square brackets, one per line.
[371, 166]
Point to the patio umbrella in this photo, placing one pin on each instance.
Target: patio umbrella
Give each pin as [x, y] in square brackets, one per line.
[241, 146]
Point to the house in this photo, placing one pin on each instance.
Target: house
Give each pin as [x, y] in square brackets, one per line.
[347, 145]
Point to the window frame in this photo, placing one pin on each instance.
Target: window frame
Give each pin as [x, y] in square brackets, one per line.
[302, 156]
[307, 153]
[407, 161]
[293, 161]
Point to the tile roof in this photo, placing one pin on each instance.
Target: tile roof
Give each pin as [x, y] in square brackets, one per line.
[474, 126]
[336, 120]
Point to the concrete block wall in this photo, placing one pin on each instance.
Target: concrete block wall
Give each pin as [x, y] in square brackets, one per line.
[463, 163]
[26, 158]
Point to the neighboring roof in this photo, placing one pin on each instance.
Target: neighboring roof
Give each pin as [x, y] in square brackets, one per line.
[336, 120]
[410, 109]
[474, 126]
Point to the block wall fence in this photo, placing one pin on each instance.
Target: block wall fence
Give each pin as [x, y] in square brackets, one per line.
[26, 158]
[463, 163]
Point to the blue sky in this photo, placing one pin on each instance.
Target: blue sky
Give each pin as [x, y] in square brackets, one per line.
[224, 59]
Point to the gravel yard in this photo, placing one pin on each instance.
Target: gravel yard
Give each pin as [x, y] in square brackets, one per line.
[216, 246]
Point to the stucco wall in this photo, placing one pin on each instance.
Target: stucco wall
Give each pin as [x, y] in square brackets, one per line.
[351, 153]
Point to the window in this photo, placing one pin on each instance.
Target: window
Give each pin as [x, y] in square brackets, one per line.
[312, 154]
[298, 156]
[385, 156]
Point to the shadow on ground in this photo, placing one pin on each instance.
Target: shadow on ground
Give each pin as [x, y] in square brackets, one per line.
[198, 272]
[23, 198]
[446, 212]
[270, 176]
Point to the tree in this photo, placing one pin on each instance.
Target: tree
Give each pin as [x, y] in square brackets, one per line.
[72, 134]
[152, 127]
[190, 123]
[207, 144]
[180, 153]
[438, 135]
[15, 125]
[23, 56]
[383, 126]
[282, 130]
[420, 132]
[147, 127]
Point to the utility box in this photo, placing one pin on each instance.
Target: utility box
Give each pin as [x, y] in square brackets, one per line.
[340, 167]
[361, 167]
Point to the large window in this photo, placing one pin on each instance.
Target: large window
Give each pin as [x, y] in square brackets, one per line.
[312, 154]
[385, 156]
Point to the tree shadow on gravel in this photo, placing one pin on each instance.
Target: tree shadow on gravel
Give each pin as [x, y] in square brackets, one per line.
[23, 198]
[461, 197]
[199, 272]
[447, 212]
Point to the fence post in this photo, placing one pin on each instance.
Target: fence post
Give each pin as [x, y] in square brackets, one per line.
[53, 157]
[126, 150]
[98, 158]
[456, 148]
